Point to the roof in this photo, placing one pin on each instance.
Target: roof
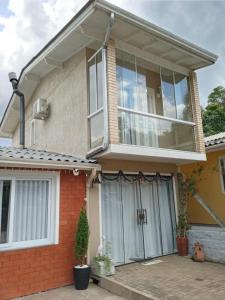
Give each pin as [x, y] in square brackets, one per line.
[41, 158]
[216, 140]
[87, 29]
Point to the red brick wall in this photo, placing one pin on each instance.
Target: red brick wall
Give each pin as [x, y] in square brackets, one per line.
[23, 272]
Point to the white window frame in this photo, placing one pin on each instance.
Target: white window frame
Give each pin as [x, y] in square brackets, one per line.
[33, 133]
[221, 174]
[102, 109]
[53, 207]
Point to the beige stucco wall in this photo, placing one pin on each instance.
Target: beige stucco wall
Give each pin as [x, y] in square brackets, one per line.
[136, 166]
[94, 220]
[65, 130]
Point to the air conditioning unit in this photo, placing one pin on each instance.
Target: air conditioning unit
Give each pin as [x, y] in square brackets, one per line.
[40, 109]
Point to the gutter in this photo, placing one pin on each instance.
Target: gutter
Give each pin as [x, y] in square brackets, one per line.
[7, 162]
[212, 148]
[105, 144]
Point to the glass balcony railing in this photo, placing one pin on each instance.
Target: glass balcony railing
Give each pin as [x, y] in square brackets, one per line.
[153, 131]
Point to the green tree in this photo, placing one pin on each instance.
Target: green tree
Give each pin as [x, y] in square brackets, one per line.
[213, 116]
[82, 237]
[217, 96]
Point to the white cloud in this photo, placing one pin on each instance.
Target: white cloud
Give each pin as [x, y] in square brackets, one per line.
[30, 26]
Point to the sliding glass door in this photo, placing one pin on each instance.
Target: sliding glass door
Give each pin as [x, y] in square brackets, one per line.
[138, 217]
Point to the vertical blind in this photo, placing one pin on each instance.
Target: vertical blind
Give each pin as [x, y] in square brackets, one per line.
[30, 210]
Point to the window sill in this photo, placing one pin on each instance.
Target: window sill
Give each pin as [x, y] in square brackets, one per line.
[26, 245]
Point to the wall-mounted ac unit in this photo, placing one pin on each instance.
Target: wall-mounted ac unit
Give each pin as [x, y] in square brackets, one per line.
[40, 109]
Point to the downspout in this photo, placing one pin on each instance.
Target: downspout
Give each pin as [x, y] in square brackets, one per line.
[13, 79]
[105, 144]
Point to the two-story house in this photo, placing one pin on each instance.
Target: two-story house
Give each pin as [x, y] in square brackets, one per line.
[124, 92]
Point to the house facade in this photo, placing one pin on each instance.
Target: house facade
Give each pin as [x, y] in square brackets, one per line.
[208, 220]
[124, 92]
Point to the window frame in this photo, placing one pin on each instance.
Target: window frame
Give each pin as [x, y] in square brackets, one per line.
[53, 207]
[103, 108]
[221, 174]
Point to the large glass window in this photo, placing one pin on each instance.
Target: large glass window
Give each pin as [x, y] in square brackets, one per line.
[154, 104]
[27, 211]
[96, 88]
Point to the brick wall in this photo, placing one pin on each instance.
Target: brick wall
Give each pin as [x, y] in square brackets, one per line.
[200, 146]
[112, 93]
[23, 272]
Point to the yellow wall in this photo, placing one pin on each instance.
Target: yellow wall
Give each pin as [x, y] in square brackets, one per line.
[209, 187]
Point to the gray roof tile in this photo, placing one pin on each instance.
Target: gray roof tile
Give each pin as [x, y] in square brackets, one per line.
[42, 155]
[215, 139]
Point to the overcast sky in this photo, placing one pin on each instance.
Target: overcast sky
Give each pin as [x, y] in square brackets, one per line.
[27, 25]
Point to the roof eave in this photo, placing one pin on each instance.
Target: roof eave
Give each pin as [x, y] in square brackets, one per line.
[214, 148]
[162, 33]
[28, 163]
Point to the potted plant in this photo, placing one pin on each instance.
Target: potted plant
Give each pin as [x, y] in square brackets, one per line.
[82, 270]
[103, 263]
[182, 239]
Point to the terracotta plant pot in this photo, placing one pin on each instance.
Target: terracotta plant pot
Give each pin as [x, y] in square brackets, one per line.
[182, 246]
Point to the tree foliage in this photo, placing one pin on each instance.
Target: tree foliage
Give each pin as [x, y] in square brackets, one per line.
[213, 115]
[82, 237]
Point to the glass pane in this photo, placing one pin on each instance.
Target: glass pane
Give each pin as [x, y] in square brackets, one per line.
[97, 130]
[184, 110]
[5, 187]
[149, 87]
[169, 103]
[92, 86]
[100, 79]
[31, 210]
[126, 79]
[147, 131]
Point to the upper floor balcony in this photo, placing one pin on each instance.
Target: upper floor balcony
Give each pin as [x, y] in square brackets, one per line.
[152, 118]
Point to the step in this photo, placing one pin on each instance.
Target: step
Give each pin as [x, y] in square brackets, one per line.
[110, 284]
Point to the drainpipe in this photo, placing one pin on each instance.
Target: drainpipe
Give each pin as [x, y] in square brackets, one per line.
[13, 79]
[105, 144]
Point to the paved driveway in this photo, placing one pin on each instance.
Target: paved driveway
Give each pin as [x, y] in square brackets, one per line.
[70, 293]
[175, 278]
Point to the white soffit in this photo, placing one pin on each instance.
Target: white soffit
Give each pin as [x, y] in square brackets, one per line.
[87, 29]
[143, 153]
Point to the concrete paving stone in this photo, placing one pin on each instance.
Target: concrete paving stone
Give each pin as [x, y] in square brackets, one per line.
[69, 293]
[175, 278]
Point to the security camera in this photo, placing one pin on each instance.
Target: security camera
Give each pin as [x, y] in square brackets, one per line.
[76, 172]
[12, 76]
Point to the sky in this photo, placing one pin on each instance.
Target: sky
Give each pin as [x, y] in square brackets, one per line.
[27, 25]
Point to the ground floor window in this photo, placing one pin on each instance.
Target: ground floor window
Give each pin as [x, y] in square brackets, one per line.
[28, 209]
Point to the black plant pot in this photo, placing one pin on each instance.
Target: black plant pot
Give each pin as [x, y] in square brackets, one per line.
[81, 277]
